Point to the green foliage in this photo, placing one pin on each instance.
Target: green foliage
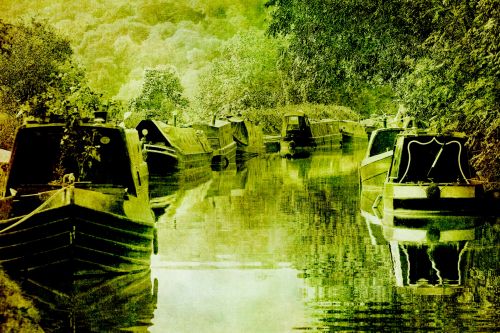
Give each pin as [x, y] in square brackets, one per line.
[440, 57]
[116, 40]
[17, 313]
[161, 95]
[31, 58]
[457, 84]
[243, 76]
[31, 55]
[339, 48]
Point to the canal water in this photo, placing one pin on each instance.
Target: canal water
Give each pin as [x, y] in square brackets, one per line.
[279, 245]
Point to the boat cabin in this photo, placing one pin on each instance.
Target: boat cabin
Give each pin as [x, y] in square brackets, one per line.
[97, 155]
[219, 133]
[430, 158]
[382, 140]
[296, 126]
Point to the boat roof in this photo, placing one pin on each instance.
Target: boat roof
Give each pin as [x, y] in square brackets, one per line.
[218, 123]
[186, 140]
[426, 132]
[295, 113]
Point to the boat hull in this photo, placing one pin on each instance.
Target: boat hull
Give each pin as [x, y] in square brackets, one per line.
[163, 164]
[71, 236]
[456, 206]
[290, 147]
[224, 156]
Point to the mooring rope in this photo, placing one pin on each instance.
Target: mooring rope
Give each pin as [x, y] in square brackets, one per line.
[36, 210]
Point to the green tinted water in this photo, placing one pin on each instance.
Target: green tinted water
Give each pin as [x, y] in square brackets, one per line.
[280, 246]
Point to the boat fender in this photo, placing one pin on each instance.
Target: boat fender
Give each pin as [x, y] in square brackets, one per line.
[433, 192]
[433, 234]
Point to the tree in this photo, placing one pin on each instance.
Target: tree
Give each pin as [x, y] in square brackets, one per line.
[31, 56]
[457, 82]
[441, 58]
[39, 78]
[339, 48]
[161, 94]
[243, 76]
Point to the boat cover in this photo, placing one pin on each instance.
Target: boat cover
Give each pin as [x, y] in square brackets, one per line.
[185, 140]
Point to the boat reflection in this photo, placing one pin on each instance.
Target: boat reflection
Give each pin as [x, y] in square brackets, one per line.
[100, 304]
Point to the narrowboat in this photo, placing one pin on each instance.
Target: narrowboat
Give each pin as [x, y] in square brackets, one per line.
[376, 163]
[249, 138]
[352, 132]
[220, 136]
[299, 135]
[169, 149]
[374, 167]
[76, 201]
[431, 187]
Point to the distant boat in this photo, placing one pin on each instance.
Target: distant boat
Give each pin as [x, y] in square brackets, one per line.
[249, 138]
[272, 143]
[220, 136]
[78, 202]
[352, 132]
[430, 189]
[171, 149]
[299, 135]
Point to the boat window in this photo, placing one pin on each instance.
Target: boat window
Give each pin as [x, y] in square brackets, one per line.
[383, 141]
[434, 159]
[99, 156]
[293, 123]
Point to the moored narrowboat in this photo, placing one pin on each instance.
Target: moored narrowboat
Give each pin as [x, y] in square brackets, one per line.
[170, 149]
[374, 167]
[299, 135]
[249, 138]
[352, 132]
[431, 186]
[76, 201]
[220, 136]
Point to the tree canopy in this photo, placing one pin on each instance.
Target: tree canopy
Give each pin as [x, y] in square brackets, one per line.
[438, 58]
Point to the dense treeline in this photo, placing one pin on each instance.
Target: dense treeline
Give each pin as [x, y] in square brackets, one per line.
[439, 59]
[39, 77]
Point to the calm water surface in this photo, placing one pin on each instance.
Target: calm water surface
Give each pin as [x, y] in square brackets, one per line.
[280, 246]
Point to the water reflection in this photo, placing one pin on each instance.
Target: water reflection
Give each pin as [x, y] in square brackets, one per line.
[99, 304]
[280, 245]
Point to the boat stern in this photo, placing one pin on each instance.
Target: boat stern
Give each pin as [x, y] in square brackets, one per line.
[444, 206]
